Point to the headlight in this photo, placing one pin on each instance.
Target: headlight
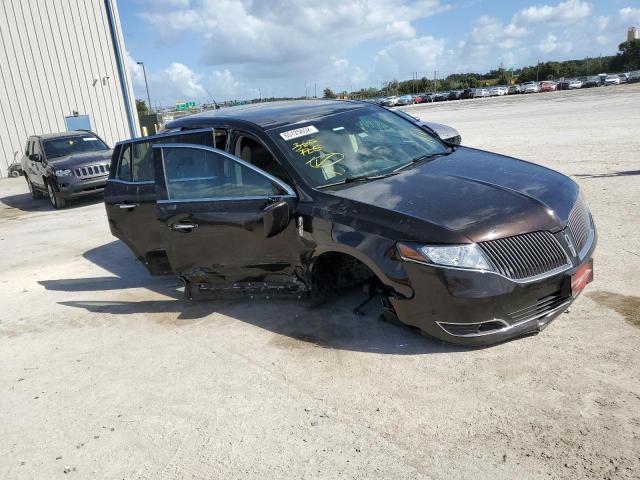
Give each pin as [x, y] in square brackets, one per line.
[62, 173]
[460, 256]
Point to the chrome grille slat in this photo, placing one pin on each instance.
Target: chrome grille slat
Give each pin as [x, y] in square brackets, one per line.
[525, 256]
[579, 222]
[539, 308]
[91, 171]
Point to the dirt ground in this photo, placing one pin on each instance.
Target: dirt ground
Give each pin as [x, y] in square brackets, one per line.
[107, 373]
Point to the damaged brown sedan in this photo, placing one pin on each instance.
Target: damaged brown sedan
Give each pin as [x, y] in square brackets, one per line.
[305, 197]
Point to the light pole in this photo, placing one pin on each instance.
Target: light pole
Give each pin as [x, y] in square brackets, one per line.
[144, 71]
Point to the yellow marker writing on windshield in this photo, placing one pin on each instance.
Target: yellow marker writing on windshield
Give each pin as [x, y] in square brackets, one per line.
[325, 160]
[306, 148]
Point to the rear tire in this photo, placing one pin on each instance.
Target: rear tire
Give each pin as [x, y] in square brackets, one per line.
[56, 200]
[14, 174]
[35, 193]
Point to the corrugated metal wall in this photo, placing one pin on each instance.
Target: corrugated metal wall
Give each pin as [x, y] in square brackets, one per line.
[58, 57]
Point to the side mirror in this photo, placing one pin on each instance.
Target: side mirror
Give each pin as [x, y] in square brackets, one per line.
[35, 157]
[276, 217]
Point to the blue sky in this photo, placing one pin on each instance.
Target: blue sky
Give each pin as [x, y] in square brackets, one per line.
[237, 49]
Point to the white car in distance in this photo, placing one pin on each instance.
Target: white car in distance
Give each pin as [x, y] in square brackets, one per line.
[612, 80]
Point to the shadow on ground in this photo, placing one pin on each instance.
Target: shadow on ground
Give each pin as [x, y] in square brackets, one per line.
[624, 173]
[24, 202]
[331, 326]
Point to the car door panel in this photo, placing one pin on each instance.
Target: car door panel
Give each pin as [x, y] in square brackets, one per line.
[131, 202]
[221, 239]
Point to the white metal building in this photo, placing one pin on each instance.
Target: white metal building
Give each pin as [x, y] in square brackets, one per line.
[62, 66]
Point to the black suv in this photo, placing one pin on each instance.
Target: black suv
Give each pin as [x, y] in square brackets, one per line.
[66, 165]
[311, 197]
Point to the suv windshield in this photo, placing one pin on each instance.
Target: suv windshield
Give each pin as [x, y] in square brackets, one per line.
[362, 142]
[62, 146]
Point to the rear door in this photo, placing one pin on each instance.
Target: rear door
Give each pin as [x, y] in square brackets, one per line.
[130, 194]
[216, 216]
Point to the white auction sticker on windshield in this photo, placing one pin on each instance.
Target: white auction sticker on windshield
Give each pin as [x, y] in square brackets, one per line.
[298, 132]
[89, 139]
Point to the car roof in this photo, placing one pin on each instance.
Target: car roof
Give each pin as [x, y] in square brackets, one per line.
[270, 115]
[71, 133]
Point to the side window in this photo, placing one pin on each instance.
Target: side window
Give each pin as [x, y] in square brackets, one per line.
[255, 153]
[141, 165]
[141, 162]
[124, 166]
[27, 150]
[193, 174]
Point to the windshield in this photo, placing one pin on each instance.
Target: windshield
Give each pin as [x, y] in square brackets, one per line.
[62, 146]
[363, 142]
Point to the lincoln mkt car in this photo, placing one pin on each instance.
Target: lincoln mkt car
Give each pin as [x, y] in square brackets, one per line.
[309, 198]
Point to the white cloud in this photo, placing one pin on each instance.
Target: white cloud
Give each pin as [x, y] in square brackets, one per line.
[271, 34]
[564, 13]
[401, 57]
[629, 14]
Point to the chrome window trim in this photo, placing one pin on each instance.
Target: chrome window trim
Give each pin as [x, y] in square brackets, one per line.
[170, 133]
[128, 182]
[224, 199]
[289, 191]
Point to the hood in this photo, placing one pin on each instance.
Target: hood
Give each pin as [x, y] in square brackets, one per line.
[475, 194]
[82, 159]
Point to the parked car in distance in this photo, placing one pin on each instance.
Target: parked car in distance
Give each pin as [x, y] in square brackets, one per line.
[634, 77]
[444, 132]
[574, 84]
[591, 81]
[548, 86]
[405, 100]
[513, 89]
[498, 91]
[612, 80]
[65, 165]
[481, 92]
[14, 170]
[467, 93]
[417, 99]
[530, 87]
[440, 96]
[295, 199]
[390, 101]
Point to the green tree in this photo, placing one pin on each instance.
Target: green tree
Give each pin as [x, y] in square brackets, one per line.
[328, 93]
[142, 108]
[628, 57]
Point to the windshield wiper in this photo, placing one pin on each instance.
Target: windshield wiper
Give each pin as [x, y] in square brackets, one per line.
[366, 178]
[419, 159]
[357, 178]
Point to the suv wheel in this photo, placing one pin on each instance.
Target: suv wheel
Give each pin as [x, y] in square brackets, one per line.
[56, 200]
[35, 193]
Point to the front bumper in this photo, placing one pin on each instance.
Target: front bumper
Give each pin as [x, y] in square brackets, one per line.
[481, 308]
[73, 187]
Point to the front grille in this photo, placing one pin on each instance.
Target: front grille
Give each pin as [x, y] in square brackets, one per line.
[91, 171]
[542, 307]
[579, 223]
[525, 256]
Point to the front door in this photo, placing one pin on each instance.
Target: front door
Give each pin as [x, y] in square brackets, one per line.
[223, 221]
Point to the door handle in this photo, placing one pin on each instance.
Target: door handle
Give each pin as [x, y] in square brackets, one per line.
[183, 227]
[127, 206]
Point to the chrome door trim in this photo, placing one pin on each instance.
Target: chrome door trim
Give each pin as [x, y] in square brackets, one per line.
[277, 181]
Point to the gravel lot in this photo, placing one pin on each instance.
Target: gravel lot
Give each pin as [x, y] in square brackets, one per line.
[108, 373]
